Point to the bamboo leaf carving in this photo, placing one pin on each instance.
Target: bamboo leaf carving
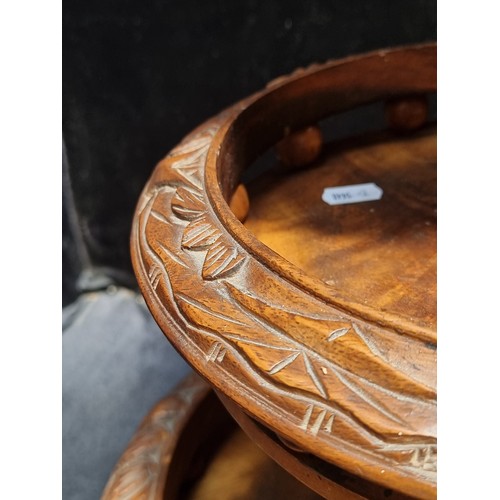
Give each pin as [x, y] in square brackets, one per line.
[186, 204]
[220, 261]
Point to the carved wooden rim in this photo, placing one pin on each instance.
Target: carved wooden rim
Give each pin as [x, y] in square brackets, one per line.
[220, 177]
[334, 379]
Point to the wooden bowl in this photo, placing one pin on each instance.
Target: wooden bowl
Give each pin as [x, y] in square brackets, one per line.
[317, 320]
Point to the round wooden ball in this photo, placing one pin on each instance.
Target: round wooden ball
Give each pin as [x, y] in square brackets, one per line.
[240, 204]
[301, 147]
[407, 113]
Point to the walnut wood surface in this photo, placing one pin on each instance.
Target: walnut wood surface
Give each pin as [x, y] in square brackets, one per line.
[328, 370]
[240, 470]
[381, 252]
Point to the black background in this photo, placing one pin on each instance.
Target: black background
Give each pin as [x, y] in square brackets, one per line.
[139, 75]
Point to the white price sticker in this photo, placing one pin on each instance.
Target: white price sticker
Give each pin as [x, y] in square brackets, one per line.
[355, 193]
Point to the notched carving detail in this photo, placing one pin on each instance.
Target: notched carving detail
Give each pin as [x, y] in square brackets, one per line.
[425, 458]
[154, 276]
[216, 353]
[315, 424]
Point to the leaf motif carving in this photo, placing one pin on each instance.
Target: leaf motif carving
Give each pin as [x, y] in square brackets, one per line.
[184, 163]
[217, 353]
[284, 363]
[195, 144]
[186, 204]
[200, 233]
[424, 458]
[339, 332]
[220, 261]
[316, 379]
[351, 347]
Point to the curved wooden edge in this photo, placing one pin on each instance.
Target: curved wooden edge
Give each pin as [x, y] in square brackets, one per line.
[286, 104]
[323, 478]
[143, 469]
[351, 390]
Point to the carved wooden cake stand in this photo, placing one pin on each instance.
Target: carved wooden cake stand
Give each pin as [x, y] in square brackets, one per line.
[314, 323]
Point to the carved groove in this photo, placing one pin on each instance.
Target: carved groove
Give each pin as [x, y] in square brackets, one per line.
[313, 425]
[217, 353]
[337, 334]
[282, 364]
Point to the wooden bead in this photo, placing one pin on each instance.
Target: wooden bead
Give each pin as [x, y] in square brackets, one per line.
[300, 148]
[240, 204]
[407, 113]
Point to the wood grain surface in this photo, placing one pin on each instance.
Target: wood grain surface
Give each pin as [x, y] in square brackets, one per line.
[380, 252]
[240, 470]
[346, 374]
